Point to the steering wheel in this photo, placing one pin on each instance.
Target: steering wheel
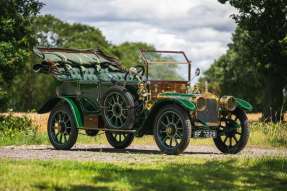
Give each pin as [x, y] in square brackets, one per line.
[137, 72]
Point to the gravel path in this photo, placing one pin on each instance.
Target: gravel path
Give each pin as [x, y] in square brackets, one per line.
[135, 153]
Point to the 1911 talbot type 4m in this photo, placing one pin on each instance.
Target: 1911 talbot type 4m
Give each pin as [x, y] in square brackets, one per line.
[95, 93]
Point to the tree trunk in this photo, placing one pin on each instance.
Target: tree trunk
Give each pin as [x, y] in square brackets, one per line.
[273, 98]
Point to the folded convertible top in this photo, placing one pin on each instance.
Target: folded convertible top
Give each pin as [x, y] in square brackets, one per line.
[75, 56]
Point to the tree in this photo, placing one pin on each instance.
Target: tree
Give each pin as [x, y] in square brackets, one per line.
[16, 38]
[128, 52]
[52, 32]
[235, 72]
[266, 24]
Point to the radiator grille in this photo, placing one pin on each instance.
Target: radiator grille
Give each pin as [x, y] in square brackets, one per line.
[210, 114]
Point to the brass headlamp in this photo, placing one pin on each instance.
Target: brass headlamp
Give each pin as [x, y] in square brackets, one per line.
[201, 103]
[228, 103]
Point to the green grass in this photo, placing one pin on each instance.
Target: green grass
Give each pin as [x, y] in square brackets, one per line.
[21, 138]
[268, 134]
[178, 174]
[262, 134]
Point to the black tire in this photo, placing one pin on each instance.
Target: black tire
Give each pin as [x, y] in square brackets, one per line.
[91, 132]
[227, 134]
[61, 125]
[118, 108]
[172, 123]
[119, 140]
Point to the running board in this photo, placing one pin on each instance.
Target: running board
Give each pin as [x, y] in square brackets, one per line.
[112, 130]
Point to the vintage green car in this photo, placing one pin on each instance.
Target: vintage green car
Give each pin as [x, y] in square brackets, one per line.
[96, 93]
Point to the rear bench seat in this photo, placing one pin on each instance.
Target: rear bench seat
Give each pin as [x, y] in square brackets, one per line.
[87, 73]
[77, 73]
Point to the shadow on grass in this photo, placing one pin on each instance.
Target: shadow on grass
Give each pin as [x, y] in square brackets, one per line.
[45, 186]
[212, 175]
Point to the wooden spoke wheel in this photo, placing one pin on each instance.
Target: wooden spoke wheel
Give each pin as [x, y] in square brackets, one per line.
[172, 129]
[62, 131]
[233, 132]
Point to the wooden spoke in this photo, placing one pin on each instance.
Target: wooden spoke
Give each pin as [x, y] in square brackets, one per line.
[224, 141]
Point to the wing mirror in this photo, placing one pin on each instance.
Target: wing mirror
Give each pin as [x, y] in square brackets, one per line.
[197, 72]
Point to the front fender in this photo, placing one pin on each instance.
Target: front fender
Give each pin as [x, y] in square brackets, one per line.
[190, 106]
[242, 104]
[52, 102]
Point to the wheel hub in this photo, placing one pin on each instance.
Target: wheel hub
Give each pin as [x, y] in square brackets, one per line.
[62, 126]
[230, 132]
[231, 127]
[117, 110]
[171, 129]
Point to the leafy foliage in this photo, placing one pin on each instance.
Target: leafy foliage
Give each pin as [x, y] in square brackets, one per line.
[256, 58]
[129, 52]
[233, 72]
[52, 32]
[16, 36]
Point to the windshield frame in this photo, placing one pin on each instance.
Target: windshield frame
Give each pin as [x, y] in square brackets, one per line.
[147, 63]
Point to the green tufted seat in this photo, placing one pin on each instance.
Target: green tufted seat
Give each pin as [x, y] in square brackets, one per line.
[89, 74]
[75, 73]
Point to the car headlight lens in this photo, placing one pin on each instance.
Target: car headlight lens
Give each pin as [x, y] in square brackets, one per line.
[228, 103]
[201, 103]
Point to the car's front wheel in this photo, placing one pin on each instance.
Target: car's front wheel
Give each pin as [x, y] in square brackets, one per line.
[172, 129]
[62, 130]
[233, 132]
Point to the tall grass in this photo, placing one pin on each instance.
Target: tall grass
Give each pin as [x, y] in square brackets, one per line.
[18, 130]
[268, 134]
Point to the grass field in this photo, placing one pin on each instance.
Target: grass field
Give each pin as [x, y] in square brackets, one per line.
[183, 174]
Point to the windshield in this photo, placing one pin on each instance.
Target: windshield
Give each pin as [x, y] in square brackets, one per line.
[167, 65]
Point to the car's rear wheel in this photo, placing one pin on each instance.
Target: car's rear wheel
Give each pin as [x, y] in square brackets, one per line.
[62, 130]
[233, 132]
[119, 140]
[172, 129]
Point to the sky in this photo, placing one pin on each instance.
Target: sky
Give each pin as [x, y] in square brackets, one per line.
[201, 28]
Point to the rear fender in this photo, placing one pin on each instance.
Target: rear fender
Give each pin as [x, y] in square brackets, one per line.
[52, 102]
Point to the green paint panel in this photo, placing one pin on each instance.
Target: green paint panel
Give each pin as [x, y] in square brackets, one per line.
[244, 104]
[183, 102]
[181, 99]
[187, 104]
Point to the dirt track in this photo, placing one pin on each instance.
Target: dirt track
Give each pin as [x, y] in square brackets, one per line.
[135, 153]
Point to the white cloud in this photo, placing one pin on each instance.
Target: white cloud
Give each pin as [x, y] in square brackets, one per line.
[202, 28]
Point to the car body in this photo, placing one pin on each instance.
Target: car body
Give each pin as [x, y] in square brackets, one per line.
[155, 97]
